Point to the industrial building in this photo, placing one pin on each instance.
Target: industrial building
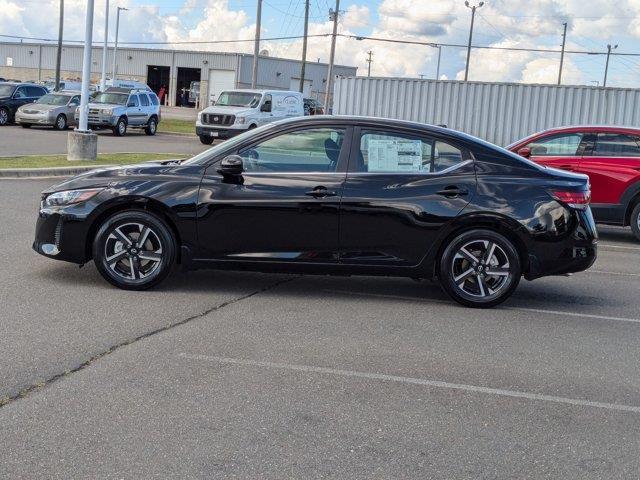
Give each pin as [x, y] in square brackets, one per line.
[173, 69]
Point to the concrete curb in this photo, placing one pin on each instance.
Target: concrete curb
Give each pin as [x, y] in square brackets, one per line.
[18, 173]
[177, 134]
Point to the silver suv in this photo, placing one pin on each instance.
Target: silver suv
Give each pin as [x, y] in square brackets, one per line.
[121, 108]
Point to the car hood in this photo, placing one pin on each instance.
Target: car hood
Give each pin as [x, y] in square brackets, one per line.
[39, 107]
[120, 174]
[228, 110]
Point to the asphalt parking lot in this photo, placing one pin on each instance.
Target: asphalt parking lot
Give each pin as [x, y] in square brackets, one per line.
[15, 140]
[244, 375]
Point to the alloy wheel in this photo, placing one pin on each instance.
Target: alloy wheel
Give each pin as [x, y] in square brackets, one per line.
[61, 123]
[133, 251]
[4, 116]
[481, 269]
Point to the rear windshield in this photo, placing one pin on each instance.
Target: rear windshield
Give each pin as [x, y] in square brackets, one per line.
[239, 99]
[115, 98]
[53, 99]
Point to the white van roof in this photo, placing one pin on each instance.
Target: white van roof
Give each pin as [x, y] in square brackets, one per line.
[249, 90]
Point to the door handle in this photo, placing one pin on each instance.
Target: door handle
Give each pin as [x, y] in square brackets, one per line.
[320, 192]
[452, 191]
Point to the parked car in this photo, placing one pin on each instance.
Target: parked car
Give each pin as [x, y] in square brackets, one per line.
[13, 95]
[610, 156]
[313, 107]
[50, 85]
[237, 111]
[330, 195]
[53, 109]
[122, 108]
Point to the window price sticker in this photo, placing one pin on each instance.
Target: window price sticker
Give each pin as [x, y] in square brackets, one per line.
[397, 155]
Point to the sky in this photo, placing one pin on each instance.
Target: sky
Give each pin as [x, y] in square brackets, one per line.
[592, 25]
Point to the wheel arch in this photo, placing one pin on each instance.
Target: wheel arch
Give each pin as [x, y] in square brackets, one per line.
[630, 198]
[123, 204]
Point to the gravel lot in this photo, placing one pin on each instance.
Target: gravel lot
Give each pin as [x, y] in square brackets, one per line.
[15, 140]
[271, 376]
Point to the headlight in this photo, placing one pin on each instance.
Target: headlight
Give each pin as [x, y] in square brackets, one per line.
[107, 111]
[67, 197]
[241, 120]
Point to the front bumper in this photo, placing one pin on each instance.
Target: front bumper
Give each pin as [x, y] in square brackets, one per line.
[61, 235]
[217, 132]
[34, 118]
[100, 120]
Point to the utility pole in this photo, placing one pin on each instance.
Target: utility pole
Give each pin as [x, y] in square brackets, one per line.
[304, 45]
[473, 17]
[333, 15]
[256, 46]
[606, 67]
[369, 60]
[564, 41]
[439, 47]
[59, 53]
[115, 47]
[86, 70]
[103, 78]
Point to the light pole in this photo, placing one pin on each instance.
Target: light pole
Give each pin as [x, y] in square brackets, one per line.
[473, 17]
[103, 78]
[256, 47]
[115, 47]
[439, 47]
[333, 16]
[606, 67]
[59, 51]
[564, 42]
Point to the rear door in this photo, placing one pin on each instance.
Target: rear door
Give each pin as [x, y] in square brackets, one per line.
[560, 150]
[401, 188]
[612, 162]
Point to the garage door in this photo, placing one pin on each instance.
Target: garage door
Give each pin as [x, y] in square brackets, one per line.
[220, 80]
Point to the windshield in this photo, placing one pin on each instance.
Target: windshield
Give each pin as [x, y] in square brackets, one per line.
[6, 90]
[239, 99]
[115, 98]
[53, 99]
[227, 144]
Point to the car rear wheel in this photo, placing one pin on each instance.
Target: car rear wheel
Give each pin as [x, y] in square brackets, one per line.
[480, 268]
[206, 140]
[4, 116]
[134, 250]
[152, 127]
[61, 122]
[635, 221]
[121, 128]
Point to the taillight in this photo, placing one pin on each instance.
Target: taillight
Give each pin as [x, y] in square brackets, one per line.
[574, 199]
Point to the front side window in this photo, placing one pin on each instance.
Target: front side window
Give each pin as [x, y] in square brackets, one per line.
[617, 145]
[144, 100]
[382, 152]
[565, 145]
[309, 150]
[133, 101]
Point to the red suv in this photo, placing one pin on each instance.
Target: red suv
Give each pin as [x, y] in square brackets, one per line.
[609, 155]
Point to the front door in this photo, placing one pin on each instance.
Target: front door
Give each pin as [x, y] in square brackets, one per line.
[284, 207]
[401, 189]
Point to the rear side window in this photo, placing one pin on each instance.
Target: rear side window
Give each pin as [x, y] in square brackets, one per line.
[563, 145]
[154, 99]
[617, 145]
[35, 92]
[382, 152]
[144, 100]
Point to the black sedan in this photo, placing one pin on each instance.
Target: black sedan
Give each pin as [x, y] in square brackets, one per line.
[330, 195]
[14, 95]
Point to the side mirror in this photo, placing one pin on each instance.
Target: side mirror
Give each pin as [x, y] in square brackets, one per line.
[73, 104]
[266, 107]
[231, 165]
[524, 152]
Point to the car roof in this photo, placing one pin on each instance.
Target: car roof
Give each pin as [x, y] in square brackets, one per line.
[28, 84]
[576, 129]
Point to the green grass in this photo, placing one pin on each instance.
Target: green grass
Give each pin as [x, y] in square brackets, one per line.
[41, 161]
[173, 125]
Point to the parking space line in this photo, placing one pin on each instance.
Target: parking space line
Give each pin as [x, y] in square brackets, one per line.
[605, 272]
[515, 309]
[413, 381]
[611, 245]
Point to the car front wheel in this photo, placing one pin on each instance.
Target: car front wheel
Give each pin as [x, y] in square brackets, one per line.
[206, 140]
[121, 128]
[635, 221]
[480, 268]
[134, 250]
[61, 122]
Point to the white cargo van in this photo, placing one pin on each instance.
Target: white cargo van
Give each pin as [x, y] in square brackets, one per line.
[237, 111]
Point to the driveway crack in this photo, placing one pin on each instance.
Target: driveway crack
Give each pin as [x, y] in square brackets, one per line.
[44, 383]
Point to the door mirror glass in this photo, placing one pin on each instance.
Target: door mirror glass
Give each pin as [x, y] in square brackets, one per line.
[524, 152]
[231, 165]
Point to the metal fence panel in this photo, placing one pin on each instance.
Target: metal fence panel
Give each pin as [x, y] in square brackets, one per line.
[497, 112]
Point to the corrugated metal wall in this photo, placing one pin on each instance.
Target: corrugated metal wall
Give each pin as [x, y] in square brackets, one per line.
[498, 112]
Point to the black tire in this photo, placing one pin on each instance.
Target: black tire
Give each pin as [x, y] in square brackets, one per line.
[467, 278]
[4, 116]
[206, 140]
[635, 221]
[152, 126]
[60, 123]
[120, 128]
[136, 267]
[25, 125]
[252, 126]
